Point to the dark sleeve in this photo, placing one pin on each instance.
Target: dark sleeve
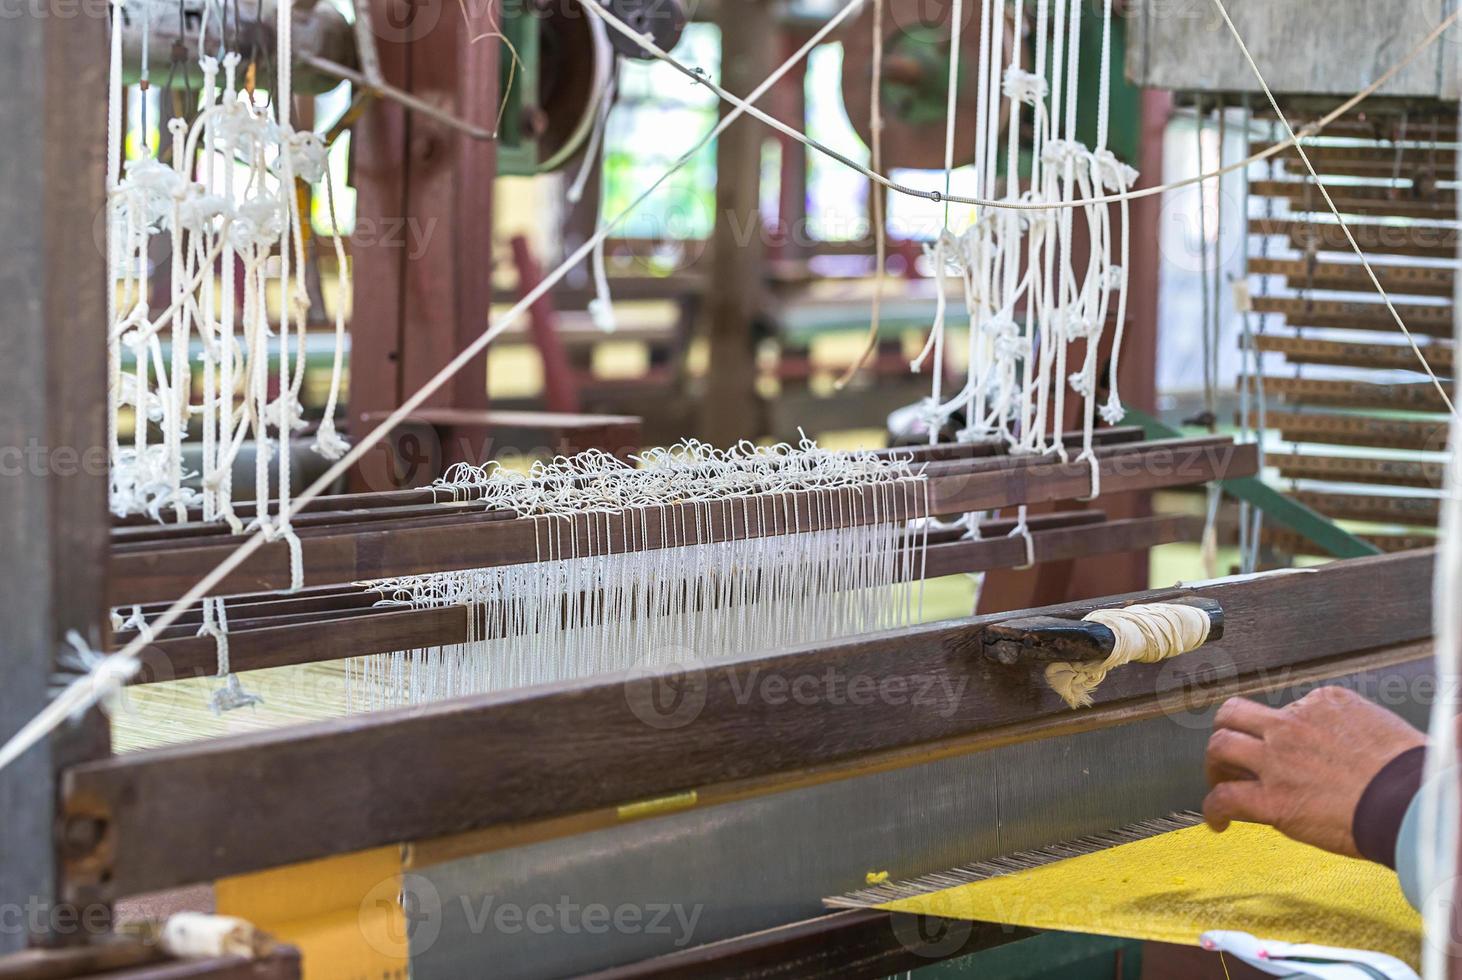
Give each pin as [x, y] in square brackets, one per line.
[1378, 815]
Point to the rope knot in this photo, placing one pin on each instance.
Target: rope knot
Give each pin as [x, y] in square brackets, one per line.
[1024, 86]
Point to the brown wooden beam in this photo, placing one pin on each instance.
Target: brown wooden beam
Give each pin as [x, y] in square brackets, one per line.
[53, 431]
[1429, 320]
[1415, 396]
[1392, 357]
[254, 801]
[1357, 469]
[338, 634]
[1343, 429]
[1373, 507]
[1351, 276]
[152, 573]
[1431, 241]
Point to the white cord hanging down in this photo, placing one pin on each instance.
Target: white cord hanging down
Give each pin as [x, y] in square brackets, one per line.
[78, 695]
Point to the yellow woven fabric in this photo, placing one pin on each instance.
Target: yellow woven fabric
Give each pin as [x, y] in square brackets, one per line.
[1172, 887]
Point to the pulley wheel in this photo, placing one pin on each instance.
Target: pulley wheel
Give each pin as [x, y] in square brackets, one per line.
[575, 64]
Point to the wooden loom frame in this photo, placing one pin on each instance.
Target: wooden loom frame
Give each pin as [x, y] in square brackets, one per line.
[87, 822]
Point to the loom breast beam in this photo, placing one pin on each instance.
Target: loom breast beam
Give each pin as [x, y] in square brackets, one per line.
[235, 804]
[1040, 640]
[153, 572]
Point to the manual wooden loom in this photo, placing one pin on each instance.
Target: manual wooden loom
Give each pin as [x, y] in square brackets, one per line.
[240, 805]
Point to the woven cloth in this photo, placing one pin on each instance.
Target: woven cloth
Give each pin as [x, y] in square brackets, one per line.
[1173, 887]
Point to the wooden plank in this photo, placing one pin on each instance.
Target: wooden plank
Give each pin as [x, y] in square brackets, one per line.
[1431, 320]
[1395, 357]
[1427, 241]
[1351, 276]
[243, 803]
[133, 959]
[1418, 396]
[861, 944]
[53, 464]
[1340, 429]
[1408, 162]
[1357, 469]
[1437, 127]
[1373, 507]
[337, 635]
[1363, 199]
[153, 573]
[1289, 543]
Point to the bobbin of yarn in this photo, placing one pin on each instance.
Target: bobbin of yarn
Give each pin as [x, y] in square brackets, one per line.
[1077, 654]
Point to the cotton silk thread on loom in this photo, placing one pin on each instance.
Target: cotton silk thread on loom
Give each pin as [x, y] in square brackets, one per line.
[238, 221]
[844, 556]
[89, 688]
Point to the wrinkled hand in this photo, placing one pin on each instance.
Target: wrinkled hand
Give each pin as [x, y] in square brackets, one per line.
[1301, 768]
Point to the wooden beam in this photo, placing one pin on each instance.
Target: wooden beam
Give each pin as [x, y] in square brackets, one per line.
[1392, 357]
[1351, 276]
[1416, 396]
[151, 572]
[731, 408]
[1341, 429]
[1433, 320]
[244, 803]
[53, 441]
[1289, 543]
[1410, 163]
[1373, 507]
[280, 641]
[1363, 199]
[1430, 241]
[1357, 469]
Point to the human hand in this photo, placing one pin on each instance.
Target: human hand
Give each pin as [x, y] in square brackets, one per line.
[1301, 768]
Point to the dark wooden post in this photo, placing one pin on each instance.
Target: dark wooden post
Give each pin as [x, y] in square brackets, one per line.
[423, 249]
[731, 409]
[53, 460]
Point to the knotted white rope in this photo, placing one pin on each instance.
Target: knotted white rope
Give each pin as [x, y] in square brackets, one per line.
[1145, 633]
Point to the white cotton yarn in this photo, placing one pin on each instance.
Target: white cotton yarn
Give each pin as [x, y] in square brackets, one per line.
[1145, 633]
[596, 600]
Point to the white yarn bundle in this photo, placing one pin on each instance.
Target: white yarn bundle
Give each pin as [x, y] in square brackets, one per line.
[1144, 633]
[1028, 301]
[596, 600]
[225, 200]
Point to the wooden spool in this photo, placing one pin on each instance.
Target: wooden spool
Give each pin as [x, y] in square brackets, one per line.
[916, 81]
